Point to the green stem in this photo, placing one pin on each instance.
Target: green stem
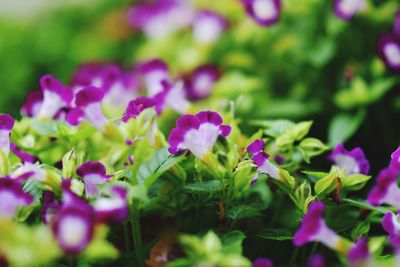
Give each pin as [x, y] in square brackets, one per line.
[137, 237]
[126, 237]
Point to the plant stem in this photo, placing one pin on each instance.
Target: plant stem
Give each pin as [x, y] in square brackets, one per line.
[137, 237]
[126, 237]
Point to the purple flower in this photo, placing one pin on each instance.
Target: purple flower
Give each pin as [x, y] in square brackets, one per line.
[112, 209]
[172, 96]
[136, 106]
[386, 189]
[262, 262]
[6, 125]
[261, 159]
[160, 18]
[202, 81]
[154, 72]
[353, 161]
[256, 146]
[50, 207]
[346, 9]
[391, 224]
[395, 159]
[12, 197]
[263, 12]
[55, 97]
[74, 223]
[316, 260]
[33, 103]
[314, 229]
[25, 157]
[208, 26]
[88, 107]
[28, 170]
[389, 51]
[359, 254]
[93, 174]
[197, 133]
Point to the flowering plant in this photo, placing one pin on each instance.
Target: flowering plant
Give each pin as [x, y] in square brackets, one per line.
[161, 163]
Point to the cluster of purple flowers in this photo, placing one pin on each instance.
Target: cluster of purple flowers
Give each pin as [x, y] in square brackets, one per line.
[148, 85]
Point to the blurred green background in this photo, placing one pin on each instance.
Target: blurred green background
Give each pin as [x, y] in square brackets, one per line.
[310, 65]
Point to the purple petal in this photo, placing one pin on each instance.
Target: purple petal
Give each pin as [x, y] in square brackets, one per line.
[32, 104]
[188, 122]
[260, 158]
[225, 130]
[135, 107]
[256, 146]
[208, 26]
[386, 178]
[202, 81]
[208, 116]
[75, 116]
[263, 12]
[175, 138]
[113, 209]
[262, 262]
[88, 95]
[74, 229]
[353, 161]
[395, 159]
[310, 224]
[388, 223]
[25, 157]
[359, 252]
[49, 83]
[346, 9]
[12, 197]
[389, 51]
[6, 122]
[91, 167]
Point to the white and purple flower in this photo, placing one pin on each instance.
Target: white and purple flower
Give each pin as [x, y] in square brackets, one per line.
[88, 108]
[74, 223]
[386, 190]
[32, 104]
[346, 9]
[93, 174]
[391, 224]
[353, 162]
[154, 72]
[263, 12]
[197, 133]
[208, 26]
[114, 208]
[261, 159]
[314, 229]
[12, 197]
[201, 82]
[160, 18]
[173, 96]
[55, 97]
[389, 51]
[359, 255]
[136, 106]
[6, 125]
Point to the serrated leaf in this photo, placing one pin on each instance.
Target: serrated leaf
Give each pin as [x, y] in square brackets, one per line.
[244, 211]
[232, 242]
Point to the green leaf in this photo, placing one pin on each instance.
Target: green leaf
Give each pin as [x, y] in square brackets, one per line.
[327, 184]
[343, 126]
[232, 242]
[279, 234]
[4, 164]
[360, 229]
[313, 146]
[244, 211]
[351, 181]
[99, 247]
[45, 127]
[209, 186]
[161, 162]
